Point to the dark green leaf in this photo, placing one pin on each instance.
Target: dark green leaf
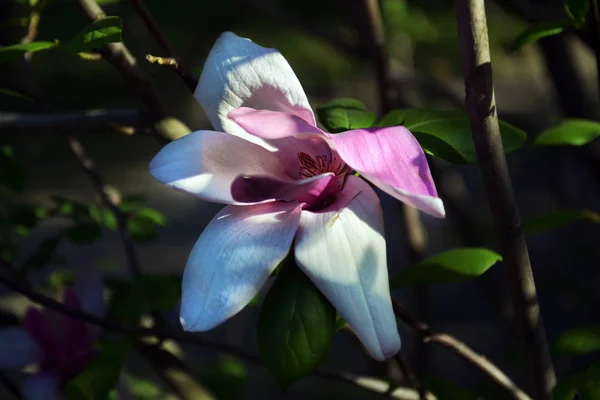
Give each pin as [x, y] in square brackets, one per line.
[578, 341]
[100, 375]
[25, 217]
[70, 208]
[12, 93]
[84, 233]
[446, 390]
[132, 203]
[340, 323]
[546, 223]
[142, 389]
[12, 175]
[447, 134]
[455, 265]
[345, 114]
[9, 53]
[584, 383]
[144, 224]
[224, 378]
[295, 327]
[540, 31]
[104, 217]
[97, 34]
[573, 132]
[577, 10]
[144, 295]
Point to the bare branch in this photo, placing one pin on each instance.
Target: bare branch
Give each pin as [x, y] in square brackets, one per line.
[73, 119]
[150, 22]
[481, 107]
[460, 349]
[370, 384]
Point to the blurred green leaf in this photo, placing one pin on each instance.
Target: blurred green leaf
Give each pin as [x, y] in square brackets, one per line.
[142, 389]
[60, 279]
[12, 175]
[132, 203]
[8, 248]
[295, 327]
[577, 10]
[97, 34]
[25, 217]
[446, 390]
[578, 341]
[146, 294]
[84, 233]
[9, 53]
[144, 224]
[104, 217]
[455, 265]
[447, 134]
[540, 31]
[559, 219]
[345, 114]
[100, 375]
[584, 383]
[340, 323]
[224, 378]
[12, 93]
[573, 132]
[71, 208]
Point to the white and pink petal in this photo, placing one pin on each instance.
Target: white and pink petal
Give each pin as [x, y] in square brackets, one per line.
[232, 259]
[393, 160]
[342, 250]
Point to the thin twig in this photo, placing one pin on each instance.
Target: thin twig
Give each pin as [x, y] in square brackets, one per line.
[370, 384]
[481, 107]
[123, 61]
[185, 74]
[460, 349]
[73, 119]
[596, 25]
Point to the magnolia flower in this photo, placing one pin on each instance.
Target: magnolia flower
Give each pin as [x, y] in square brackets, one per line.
[59, 345]
[286, 182]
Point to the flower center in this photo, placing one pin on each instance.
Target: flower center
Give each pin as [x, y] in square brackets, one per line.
[310, 166]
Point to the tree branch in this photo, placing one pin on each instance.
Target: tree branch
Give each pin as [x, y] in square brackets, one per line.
[460, 349]
[481, 107]
[73, 119]
[185, 74]
[370, 384]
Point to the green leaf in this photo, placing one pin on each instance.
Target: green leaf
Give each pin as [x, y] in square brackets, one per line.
[295, 327]
[25, 217]
[104, 217]
[455, 265]
[84, 233]
[132, 203]
[97, 34]
[144, 224]
[100, 375]
[572, 132]
[540, 31]
[550, 222]
[345, 114]
[584, 383]
[142, 389]
[146, 294]
[578, 341]
[340, 323]
[12, 175]
[447, 134]
[446, 390]
[12, 93]
[224, 378]
[577, 10]
[69, 208]
[9, 53]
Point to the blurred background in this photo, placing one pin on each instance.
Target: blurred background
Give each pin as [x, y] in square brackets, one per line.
[325, 43]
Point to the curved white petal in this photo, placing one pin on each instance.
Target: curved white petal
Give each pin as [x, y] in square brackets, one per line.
[342, 250]
[17, 348]
[42, 386]
[240, 73]
[205, 163]
[233, 258]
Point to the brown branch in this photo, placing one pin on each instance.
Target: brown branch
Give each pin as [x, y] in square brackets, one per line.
[123, 61]
[188, 78]
[73, 119]
[460, 349]
[370, 384]
[481, 107]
